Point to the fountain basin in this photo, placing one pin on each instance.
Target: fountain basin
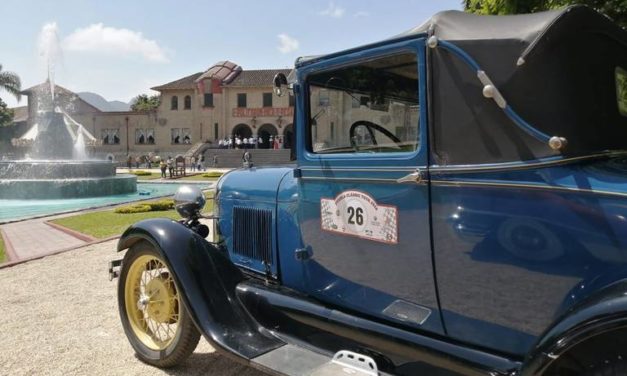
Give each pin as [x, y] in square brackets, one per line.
[56, 179]
[67, 188]
[55, 169]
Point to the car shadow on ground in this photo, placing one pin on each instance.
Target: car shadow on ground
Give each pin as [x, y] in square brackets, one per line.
[212, 364]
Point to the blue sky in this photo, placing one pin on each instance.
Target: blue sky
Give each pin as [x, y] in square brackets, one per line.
[119, 49]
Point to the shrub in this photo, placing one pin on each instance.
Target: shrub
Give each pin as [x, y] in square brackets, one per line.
[161, 205]
[130, 209]
[212, 174]
[141, 173]
[145, 207]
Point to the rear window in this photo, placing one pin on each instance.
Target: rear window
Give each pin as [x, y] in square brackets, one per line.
[621, 90]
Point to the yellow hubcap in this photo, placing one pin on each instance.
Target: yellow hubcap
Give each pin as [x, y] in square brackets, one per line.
[152, 302]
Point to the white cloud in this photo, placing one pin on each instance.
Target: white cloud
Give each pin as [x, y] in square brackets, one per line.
[287, 44]
[361, 13]
[103, 39]
[333, 10]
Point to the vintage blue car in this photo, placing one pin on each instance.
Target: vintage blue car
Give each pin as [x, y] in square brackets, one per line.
[457, 205]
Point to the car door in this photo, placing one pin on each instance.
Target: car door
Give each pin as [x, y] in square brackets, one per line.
[363, 185]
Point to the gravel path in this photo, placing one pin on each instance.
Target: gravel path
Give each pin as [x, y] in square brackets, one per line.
[59, 316]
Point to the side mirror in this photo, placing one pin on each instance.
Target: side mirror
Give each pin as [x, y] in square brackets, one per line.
[189, 201]
[280, 84]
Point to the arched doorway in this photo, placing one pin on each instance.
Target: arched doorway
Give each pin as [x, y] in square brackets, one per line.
[242, 130]
[265, 132]
[288, 136]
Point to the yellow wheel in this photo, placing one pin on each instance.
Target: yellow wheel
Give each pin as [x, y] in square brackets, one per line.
[151, 308]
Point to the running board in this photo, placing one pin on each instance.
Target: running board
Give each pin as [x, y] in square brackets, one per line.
[292, 360]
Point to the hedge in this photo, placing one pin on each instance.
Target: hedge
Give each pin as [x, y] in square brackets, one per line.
[212, 174]
[144, 207]
[141, 173]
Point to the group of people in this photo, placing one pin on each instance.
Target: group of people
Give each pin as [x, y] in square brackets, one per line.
[253, 142]
[197, 163]
[168, 165]
[137, 162]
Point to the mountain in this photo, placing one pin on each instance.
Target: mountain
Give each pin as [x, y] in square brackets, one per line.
[102, 104]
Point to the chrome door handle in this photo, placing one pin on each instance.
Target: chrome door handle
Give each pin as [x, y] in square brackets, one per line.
[414, 177]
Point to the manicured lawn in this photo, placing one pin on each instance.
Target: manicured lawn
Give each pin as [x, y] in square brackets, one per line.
[1, 250]
[157, 175]
[199, 177]
[103, 224]
[152, 176]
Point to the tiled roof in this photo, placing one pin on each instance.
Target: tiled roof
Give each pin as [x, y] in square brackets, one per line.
[256, 78]
[45, 87]
[183, 83]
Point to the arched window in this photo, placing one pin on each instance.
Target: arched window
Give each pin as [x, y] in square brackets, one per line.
[187, 102]
[174, 103]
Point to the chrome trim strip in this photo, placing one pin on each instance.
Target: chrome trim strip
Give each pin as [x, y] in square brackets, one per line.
[373, 180]
[467, 183]
[508, 166]
[363, 169]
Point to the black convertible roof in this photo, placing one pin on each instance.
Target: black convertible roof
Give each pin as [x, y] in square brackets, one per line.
[531, 31]
[558, 70]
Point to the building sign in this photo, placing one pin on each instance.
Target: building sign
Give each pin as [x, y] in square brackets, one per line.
[265, 111]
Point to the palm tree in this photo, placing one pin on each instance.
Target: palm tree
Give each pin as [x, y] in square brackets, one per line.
[11, 83]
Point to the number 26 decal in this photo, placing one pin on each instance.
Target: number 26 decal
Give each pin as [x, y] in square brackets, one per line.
[355, 216]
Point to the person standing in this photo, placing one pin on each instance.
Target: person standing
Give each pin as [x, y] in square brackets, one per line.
[162, 166]
[170, 164]
[193, 163]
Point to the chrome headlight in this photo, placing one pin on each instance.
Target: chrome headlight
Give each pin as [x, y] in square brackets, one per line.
[189, 201]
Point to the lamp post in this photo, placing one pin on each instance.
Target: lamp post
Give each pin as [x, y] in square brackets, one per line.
[127, 142]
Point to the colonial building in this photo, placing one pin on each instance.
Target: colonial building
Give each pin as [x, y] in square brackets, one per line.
[196, 111]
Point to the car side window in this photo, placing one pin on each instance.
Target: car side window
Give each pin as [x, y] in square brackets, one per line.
[368, 107]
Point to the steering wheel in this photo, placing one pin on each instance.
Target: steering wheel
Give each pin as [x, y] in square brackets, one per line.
[370, 126]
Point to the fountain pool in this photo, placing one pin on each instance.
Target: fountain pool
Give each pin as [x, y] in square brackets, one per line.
[13, 210]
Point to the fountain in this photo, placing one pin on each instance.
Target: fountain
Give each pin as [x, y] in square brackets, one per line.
[58, 166]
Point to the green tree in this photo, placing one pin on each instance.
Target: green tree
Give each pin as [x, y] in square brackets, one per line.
[6, 114]
[143, 102]
[615, 9]
[11, 83]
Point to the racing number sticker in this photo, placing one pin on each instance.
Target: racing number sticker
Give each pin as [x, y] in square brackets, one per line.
[358, 214]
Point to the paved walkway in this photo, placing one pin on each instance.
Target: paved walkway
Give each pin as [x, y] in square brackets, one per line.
[34, 238]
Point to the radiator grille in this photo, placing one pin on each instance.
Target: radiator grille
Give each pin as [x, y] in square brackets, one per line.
[252, 233]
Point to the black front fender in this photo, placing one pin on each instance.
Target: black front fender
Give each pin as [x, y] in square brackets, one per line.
[601, 313]
[207, 279]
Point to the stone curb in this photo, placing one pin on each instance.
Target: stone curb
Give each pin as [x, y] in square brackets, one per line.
[74, 233]
[17, 262]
